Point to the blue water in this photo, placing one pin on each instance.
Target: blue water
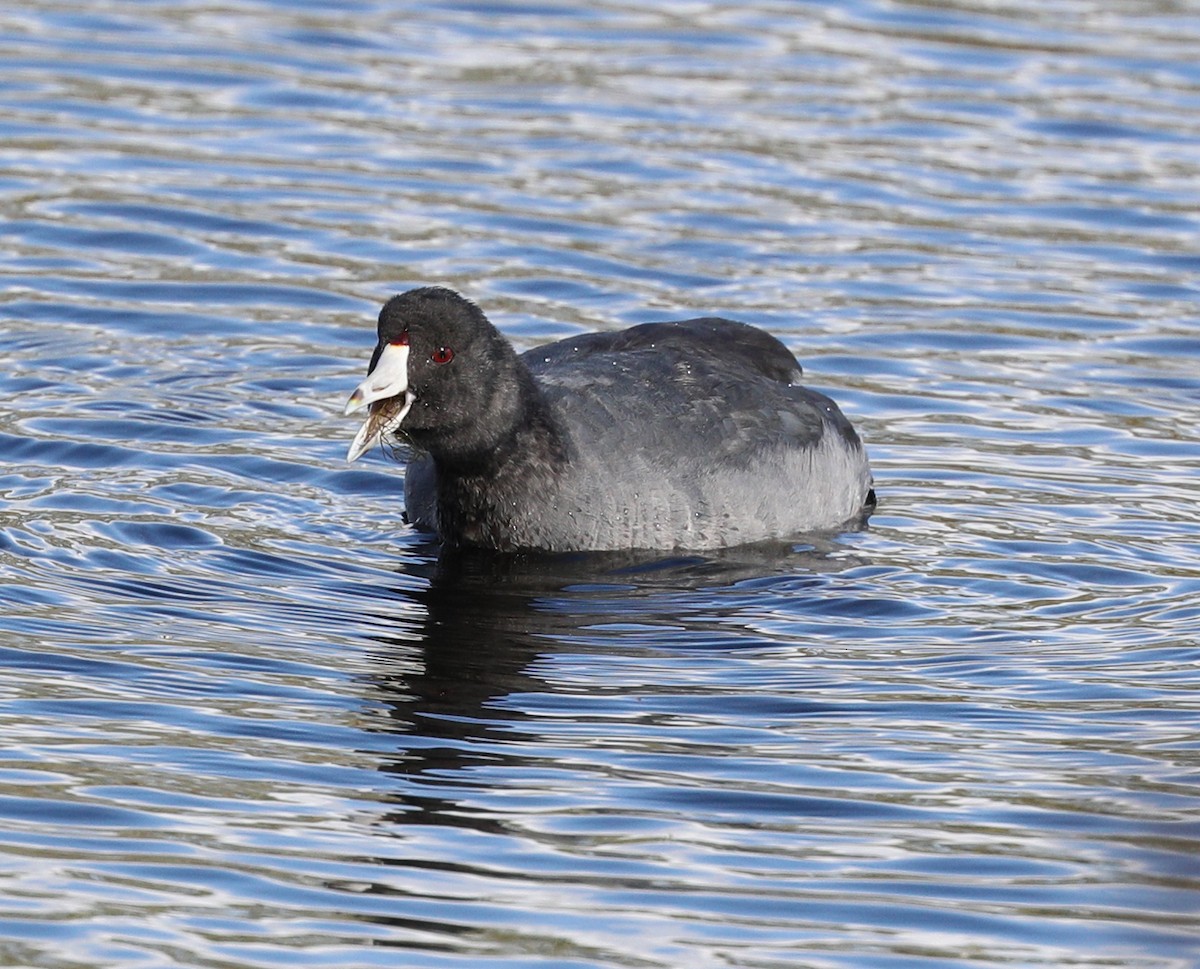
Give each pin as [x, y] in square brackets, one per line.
[250, 720]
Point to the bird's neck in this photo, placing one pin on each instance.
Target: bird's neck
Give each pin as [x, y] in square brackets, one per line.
[483, 493]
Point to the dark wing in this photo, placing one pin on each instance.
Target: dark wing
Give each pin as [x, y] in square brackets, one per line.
[735, 347]
[713, 390]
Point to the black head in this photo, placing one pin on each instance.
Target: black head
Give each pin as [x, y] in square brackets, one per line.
[461, 381]
[430, 314]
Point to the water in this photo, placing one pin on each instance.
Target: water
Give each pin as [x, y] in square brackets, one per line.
[249, 720]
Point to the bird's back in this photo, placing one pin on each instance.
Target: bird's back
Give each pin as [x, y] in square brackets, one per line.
[696, 428]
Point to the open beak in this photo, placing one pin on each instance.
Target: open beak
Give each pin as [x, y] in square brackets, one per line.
[385, 392]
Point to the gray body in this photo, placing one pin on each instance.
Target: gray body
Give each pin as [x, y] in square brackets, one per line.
[692, 434]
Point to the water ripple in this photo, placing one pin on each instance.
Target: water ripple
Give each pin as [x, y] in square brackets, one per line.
[250, 717]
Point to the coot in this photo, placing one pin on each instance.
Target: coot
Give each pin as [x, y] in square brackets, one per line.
[693, 434]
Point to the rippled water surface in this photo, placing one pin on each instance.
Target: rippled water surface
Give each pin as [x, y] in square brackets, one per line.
[250, 721]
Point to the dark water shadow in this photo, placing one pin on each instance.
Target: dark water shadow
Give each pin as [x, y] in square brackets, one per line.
[450, 681]
[483, 621]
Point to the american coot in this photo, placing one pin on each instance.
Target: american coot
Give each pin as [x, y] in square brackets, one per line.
[692, 434]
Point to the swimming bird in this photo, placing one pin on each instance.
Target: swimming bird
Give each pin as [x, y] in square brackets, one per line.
[689, 434]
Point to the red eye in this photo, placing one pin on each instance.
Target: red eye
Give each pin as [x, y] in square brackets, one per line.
[442, 355]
